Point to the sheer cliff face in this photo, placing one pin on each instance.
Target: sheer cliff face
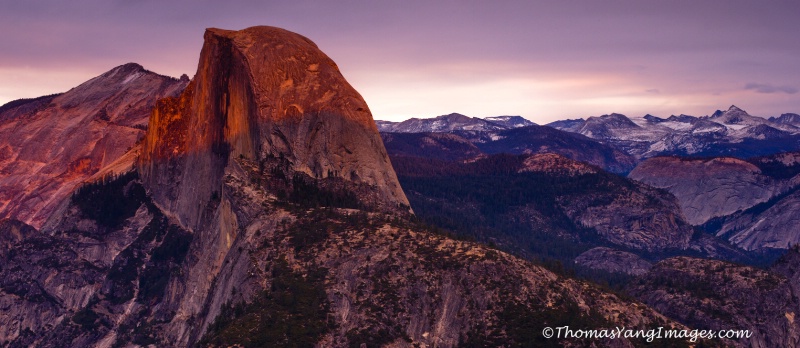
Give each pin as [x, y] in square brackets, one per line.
[48, 145]
[263, 93]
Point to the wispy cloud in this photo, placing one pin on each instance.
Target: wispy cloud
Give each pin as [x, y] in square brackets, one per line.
[768, 88]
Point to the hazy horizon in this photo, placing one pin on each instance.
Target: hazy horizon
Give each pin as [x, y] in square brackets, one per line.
[540, 60]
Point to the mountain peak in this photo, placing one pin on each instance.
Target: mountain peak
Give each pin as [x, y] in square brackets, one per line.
[455, 117]
[264, 94]
[734, 108]
[96, 122]
[787, 118]
[123, 71]
[614, 120]
[653, 119]
[510, 121]
[732, 112]
[247, 38]
[130, 67]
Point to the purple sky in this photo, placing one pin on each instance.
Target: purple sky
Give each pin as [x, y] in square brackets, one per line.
[544, 60]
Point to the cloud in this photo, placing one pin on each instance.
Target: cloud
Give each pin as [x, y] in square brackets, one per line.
[653, 90]
[768, 88]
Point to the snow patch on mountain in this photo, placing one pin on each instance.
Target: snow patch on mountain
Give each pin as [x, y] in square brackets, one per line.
[453, 122]
[650, 135]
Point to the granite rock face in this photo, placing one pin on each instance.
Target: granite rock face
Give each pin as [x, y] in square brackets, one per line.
[268, 95]
[637, 216]
[51, 144]
[752, 204]
[769, 225]
[708, 188]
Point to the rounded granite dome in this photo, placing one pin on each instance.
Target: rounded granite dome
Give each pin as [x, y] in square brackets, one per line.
[262, 93]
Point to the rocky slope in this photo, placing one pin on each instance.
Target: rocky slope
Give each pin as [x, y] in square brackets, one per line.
[466, 144]
[445, 146]
[710, 294]
[336, 277]
[51, 144]
[771, 224]
[541, 139]
[545, 204]
[510, 121]
[788, 118]
[613, 261]
[752, 203]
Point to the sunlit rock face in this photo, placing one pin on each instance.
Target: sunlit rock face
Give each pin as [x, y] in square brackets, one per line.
[260, 94]
[48, 145]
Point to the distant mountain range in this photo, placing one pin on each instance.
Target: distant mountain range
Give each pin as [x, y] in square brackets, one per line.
[732, 132]
[734, 174]
[632, 232]
[453, 122]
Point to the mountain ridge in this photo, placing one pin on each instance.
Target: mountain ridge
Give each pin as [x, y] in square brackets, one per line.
[50, 144]
[732, 132]
[453, 122]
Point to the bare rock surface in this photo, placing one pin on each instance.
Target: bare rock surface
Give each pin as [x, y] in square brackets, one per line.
[717, 295]
[769, 225]
[265, 94]
[556, 164]
[51, 144]
[708, 188]
[365, 278]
